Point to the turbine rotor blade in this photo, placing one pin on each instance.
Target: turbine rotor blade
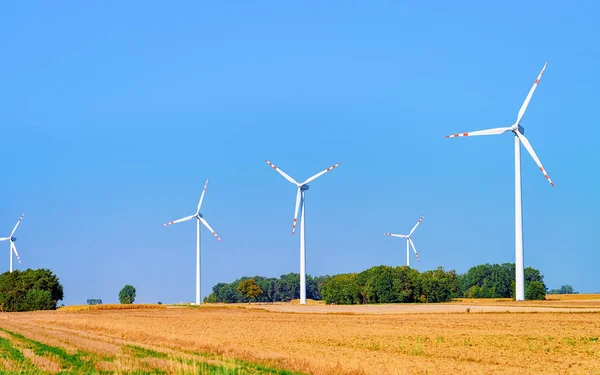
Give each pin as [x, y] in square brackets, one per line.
[528, 147]
[394, 235]
[16, 225]
[298, 198]
[202, 197]
[416, 225]
[528, 98]
[179, 220]
[210, 229]
[414, 249]
[493, 131]
[283, 173]
[321, 173]
[14, 248]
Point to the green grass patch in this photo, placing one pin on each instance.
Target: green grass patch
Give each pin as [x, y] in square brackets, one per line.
[70, 363]
[83, 362]
[140, 352]
[8, 351]
[229, 366]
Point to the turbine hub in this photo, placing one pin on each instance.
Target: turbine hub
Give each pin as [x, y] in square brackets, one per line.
[304, 187]
[199, 215]
[13, 239]
[521, 129]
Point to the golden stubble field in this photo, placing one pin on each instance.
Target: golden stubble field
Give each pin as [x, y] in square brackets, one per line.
[331, 343]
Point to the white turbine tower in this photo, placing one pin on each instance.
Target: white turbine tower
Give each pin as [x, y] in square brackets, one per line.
[12, 240]
[200, 218]
[408, 241]
[519, 133]
[302, 187]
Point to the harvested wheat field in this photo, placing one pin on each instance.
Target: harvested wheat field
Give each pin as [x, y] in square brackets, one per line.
[241, 340]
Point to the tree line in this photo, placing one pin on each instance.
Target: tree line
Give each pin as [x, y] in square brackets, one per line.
[565, 289]
[283, 289]
[385, 284]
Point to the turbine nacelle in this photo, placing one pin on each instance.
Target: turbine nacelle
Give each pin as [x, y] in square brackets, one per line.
[199, 215]
[519, 128]
[304, 187]
[13, 239]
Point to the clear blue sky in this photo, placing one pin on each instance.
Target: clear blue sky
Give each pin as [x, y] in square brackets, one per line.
[114, 114]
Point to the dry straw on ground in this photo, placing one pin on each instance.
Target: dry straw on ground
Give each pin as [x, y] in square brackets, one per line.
[111, 307]
[319, 343]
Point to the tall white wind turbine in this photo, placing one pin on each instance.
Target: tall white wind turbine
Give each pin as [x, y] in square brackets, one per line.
[408, 241]
[200, 218]
[12, 240]
[519, 134]
[302, 188]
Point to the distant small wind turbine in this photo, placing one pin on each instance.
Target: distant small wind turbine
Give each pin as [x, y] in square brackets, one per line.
[519, 134]
[408, 241]
[200, 218]
[302, 187]
[12, 240]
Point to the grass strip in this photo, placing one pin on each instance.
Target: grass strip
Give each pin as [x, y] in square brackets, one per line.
[70, 363]
[229, 366]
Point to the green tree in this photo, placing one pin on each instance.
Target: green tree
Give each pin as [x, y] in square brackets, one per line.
[341, 289]
[535, 290]
[439, 285]
[127, 295]
[16, 287]
[249, 289]
[37, 300]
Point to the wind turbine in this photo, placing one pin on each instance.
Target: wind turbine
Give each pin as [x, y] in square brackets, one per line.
[302, 188]
[200, 218]
[519, 133]
[12, 240]
[408, 241]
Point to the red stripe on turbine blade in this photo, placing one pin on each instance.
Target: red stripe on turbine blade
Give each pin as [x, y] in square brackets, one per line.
[465, 134]
[537, 81]
[456, 135]
[552, 183]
